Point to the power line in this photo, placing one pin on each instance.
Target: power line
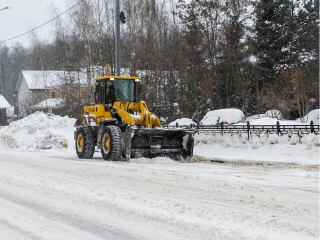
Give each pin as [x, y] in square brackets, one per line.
[43, 23]
[107, 20]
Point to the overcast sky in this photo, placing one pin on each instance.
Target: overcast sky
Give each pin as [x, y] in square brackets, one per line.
[25, 15]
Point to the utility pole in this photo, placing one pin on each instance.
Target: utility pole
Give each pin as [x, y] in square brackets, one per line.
[117, 35]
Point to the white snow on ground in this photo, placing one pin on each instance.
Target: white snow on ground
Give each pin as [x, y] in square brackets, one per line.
[313, 115]
[51, 194]
[182, 122]
[39, 131]
[230, 115]
[69, 198]
[227, 148]
[263, 148]
[46, 131]
[271, 121]
[256, 116]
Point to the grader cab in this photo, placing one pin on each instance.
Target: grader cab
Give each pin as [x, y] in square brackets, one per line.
[122, 126]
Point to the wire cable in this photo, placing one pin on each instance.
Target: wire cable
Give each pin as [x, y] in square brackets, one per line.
[42, 24]
[61, 15]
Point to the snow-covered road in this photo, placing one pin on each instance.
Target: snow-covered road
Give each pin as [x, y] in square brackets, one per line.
[48, 195]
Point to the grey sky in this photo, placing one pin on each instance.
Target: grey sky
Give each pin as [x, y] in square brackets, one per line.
[25, 15]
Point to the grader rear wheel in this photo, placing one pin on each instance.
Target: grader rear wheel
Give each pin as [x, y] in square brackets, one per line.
[111, 143]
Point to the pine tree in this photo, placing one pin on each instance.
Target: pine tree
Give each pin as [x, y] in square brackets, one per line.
[273, 37]
[195, 56]
[306, 37]
[233, 53]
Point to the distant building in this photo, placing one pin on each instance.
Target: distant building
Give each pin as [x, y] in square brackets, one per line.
[34, 87]
[3, 106]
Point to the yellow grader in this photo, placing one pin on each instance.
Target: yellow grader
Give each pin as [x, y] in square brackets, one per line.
[122, 126]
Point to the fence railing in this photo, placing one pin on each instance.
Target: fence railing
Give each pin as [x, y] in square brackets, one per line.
[248, 129]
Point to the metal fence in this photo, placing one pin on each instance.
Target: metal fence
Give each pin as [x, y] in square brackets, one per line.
[249, 130]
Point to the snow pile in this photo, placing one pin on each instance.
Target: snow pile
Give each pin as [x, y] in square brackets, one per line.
[257, 116]
[235, 141]
[229, 115]
[270, 121]
[182, 122]
[311, 116]
[39, 131]
[274, 114]
[50, 103]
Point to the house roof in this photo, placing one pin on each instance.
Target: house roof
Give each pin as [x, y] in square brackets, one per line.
[4, 103]
[49, 79]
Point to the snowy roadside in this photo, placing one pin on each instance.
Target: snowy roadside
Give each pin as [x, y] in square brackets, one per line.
[158, 199]
[268, 154]
[48, 135]
[264, 149]
[44, 182]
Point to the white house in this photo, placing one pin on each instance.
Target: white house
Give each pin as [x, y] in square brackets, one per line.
[34, 87]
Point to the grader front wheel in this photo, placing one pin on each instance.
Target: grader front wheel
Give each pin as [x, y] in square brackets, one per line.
[111, 143]
[85, 143]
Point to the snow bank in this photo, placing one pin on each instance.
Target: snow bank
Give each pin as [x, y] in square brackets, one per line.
[229, 115]
[39, 131]
[311, 140]
[270, 121]
[311, 116]
[257, 116]
[182, 122]
[273, 148]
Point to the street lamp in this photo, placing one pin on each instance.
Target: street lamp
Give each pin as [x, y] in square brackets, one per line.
[5, 8]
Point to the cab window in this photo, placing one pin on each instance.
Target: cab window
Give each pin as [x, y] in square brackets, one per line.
[100, 92]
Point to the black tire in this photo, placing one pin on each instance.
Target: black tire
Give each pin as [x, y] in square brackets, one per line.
[111, 143]
[85, 143]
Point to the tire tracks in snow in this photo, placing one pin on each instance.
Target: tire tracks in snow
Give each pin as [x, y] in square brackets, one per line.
[194, 201]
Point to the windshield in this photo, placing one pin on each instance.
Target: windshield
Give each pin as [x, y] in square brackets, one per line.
[124, 90]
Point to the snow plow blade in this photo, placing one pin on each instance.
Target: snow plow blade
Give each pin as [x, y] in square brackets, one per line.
[176, 144]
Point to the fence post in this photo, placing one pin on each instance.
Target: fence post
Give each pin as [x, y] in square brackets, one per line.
[221, 128]
[312, 126]
[278, 128]
[248, 129]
